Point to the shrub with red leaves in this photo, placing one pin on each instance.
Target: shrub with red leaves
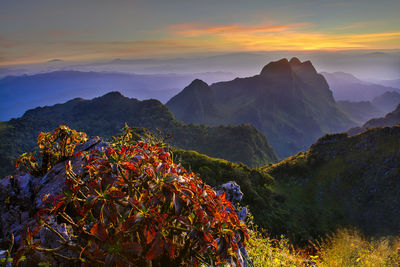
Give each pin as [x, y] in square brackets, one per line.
[132, 206]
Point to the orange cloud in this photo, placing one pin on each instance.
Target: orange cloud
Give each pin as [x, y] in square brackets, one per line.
[181, 39]
[195, 30]
[298, 36]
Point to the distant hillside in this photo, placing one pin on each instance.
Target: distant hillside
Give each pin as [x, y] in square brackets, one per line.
[344, 181]
[360, 111]
[387, 102]
[391, 119]
[60, 86]
[383, 102]
[392, 83]
[288, 101]
[106, 115]
[347, 87]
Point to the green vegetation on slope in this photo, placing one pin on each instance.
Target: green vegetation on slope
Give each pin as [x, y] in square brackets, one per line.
[105, 116]
[343, 181]
[296, 213]
[255, 184]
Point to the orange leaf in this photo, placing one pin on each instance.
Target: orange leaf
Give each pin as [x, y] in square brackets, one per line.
[99, 231]
[132, 248]
[149, 235]
[156, 248]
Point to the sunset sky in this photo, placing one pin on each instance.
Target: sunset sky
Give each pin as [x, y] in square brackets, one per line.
[37, 31]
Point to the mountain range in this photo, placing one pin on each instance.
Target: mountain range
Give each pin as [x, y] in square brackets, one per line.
[345, 86]
[59, 86]
[361, 111]
[342, 180]
[105, 116]
[288, 101]
[391, 119]
[387, 102]
[381, 66]
[392, 83]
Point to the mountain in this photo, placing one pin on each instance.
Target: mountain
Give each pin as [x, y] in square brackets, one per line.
[360, 111]
[343, 181]
[347, 87]
[388, 101]
[106, 115]
[288, 101]
[392, 83]
[371, 113]
[59, 86]
[392, 118]
[195, 101]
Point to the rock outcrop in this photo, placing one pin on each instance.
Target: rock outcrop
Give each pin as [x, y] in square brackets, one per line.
[234, 195]
[22, 195]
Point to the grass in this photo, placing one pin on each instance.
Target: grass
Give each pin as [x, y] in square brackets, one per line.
[344, 248]
[267, 252]
[350, 248]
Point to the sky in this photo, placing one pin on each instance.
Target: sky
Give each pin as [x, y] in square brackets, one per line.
[81, 30]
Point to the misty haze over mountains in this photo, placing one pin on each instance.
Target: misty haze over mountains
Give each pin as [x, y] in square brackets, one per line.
[60, 86]
[346, 86]
[367, 65]
[57, 81]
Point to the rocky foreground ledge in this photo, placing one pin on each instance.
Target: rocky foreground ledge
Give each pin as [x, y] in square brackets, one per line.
[21, 197]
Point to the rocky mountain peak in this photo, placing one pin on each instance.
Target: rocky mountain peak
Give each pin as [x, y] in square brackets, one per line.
[113, 95]
[277, 67]
[197, 87]
[198, 83]
[303, 68]
[294, 61]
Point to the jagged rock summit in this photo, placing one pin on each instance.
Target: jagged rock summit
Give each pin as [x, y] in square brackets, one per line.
[281, 67]
[288, 101]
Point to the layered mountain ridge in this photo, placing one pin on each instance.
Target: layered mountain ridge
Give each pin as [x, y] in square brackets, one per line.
[345, 86]
[391, 119]
[361, 111]
[106, 115]
[288, 101]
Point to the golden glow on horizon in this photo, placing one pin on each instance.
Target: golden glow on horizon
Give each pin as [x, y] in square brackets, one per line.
[194, 38]
[285, 37]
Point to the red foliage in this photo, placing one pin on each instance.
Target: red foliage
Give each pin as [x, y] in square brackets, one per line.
[132, 205]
